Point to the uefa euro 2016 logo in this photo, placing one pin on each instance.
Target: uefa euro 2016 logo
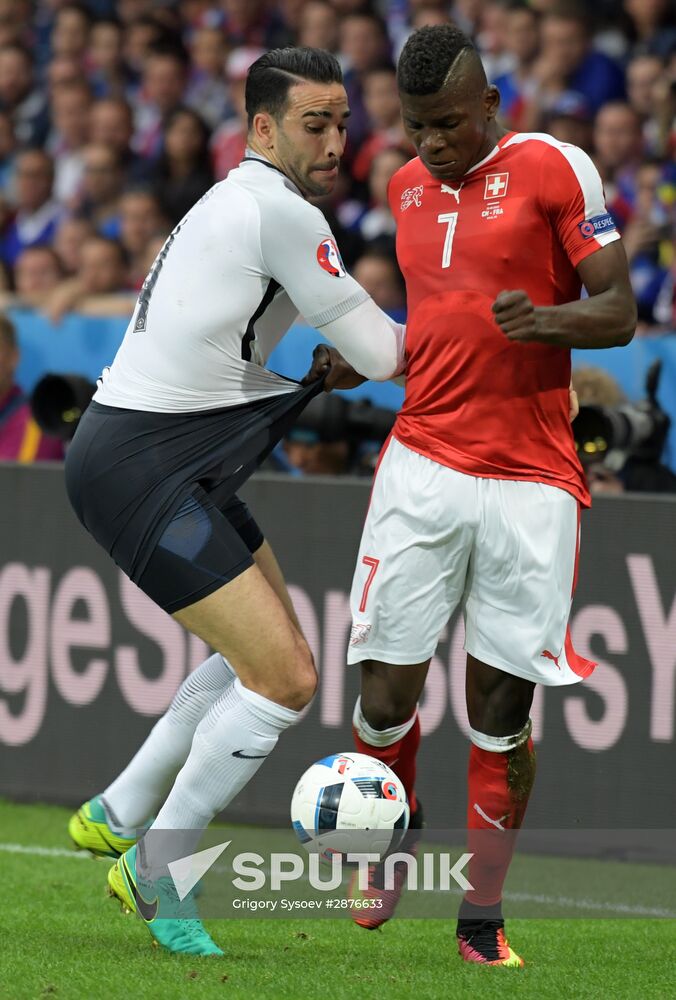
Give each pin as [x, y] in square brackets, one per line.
[329, 259]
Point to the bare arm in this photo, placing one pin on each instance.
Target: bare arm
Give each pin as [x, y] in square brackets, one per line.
[606, 319]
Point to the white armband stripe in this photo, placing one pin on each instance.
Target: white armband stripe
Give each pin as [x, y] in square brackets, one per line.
[586, 175]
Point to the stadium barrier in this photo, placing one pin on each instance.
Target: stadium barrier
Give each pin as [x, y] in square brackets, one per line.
[87, 662]
[84, 345]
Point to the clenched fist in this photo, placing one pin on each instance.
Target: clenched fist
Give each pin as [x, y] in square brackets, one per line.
[515, 315]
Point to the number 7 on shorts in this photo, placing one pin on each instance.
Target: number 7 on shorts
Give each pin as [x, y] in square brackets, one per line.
[373, 565]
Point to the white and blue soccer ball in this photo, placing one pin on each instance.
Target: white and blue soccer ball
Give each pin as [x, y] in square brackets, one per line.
[349, 803]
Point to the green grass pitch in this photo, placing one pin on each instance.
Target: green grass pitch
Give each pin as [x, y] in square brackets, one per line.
[62, 938]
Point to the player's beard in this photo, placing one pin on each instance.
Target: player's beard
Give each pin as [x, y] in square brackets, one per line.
[302, 175]
[307, 183]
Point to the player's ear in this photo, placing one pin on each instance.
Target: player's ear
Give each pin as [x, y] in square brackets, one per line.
[491, 101]
[263, 129]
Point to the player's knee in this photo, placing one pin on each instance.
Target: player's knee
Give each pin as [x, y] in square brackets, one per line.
[301, 683]
[393, 709]
[306, 684]
[504, 710]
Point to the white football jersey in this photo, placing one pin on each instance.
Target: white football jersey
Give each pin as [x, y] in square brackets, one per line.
[228, 283]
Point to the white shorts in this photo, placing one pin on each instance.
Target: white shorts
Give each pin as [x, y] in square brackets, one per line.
[505, 551]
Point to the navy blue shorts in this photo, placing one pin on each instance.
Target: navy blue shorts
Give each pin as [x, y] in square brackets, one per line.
[203, 547]
[158, 490]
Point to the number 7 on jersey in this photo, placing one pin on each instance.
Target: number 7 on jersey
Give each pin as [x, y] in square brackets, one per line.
[451, 219]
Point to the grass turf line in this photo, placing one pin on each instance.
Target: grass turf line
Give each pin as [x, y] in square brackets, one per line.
[62, 937]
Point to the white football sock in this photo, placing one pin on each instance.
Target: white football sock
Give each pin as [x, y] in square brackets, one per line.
[230, 744]
[134, 796]
[501, 744]
[380, 737]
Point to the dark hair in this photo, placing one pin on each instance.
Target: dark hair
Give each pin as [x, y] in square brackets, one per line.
[427, 57]
[367, 14]
[110, 241]
[42, 248]
[170, 47]
[381, 67]
[108, 22]
[7, 332]
[39, 151]
[404, 154]
[164, 36]
[521, 7]
[272, 75]
[571, 10]
[202, 159]
[20, 48]
[382, 249]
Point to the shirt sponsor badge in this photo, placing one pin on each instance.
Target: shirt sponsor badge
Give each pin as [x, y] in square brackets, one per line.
[329, 259]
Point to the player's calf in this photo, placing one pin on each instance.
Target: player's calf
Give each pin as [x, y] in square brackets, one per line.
[501, 776]
[137, 793]
[397, 747]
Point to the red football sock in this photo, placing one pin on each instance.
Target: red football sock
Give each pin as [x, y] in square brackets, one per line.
[498, 791]
[400, 756]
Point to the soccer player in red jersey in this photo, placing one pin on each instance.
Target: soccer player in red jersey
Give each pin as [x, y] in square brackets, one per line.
[477, 496]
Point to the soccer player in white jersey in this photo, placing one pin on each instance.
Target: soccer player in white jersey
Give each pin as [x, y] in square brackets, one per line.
[180, 419]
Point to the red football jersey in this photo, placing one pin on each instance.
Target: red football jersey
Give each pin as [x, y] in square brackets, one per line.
[522, 218]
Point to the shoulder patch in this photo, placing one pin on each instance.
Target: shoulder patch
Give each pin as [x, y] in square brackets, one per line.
[597, 226]
[329, 259]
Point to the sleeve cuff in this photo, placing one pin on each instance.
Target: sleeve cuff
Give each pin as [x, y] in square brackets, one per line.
[327, 315]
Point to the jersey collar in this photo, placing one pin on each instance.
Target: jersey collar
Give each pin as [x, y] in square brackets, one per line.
[252, 157]
[494, 152]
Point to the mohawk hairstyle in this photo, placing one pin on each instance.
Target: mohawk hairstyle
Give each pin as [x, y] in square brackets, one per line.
[427, 57]
[272, 75]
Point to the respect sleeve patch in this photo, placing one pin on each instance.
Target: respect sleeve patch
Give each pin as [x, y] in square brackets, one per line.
[597, 226]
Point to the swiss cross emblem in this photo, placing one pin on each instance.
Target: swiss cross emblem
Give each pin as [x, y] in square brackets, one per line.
[411, 196]
[496, 186]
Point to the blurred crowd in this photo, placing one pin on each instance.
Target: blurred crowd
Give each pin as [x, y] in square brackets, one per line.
[116, 116]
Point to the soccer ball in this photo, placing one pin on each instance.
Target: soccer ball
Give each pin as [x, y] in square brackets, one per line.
[349, 803]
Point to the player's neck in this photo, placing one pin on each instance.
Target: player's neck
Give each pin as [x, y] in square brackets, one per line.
[493, 137]
[266, 154]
